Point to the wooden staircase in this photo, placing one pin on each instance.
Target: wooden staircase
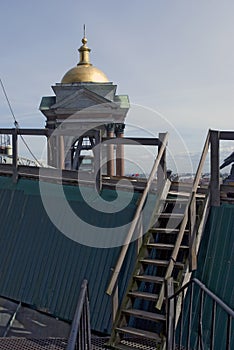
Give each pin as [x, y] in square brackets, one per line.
[163, 254]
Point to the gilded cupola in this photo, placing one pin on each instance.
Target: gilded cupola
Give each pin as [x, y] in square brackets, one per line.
[84, 72]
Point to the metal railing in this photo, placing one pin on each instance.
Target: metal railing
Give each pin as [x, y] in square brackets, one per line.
[137, 215]
[189, 217]
[197, 325]
[80, 335]
[11, 320]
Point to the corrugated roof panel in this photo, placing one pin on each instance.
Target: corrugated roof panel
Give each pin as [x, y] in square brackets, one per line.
[40, 266]
[216, 271]
[216, 255]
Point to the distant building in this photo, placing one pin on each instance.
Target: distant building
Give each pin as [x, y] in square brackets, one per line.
[85, 107]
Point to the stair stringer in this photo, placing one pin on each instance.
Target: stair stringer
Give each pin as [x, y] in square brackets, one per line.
[187, 275]
[114, 339]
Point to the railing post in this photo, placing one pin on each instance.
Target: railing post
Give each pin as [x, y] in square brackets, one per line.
[97, 161]
[170, 302]
[115, 302]
[140, 233]
[80, 335]
[192, 234]
[214, 164]
[15, 155]
[87, 320]
[162, 170]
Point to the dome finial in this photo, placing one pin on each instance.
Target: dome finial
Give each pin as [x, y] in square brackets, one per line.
[84, 31]
[84, 72]
[84, 40]
[84, 51]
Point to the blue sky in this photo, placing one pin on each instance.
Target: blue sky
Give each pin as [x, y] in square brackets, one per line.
[175, 57]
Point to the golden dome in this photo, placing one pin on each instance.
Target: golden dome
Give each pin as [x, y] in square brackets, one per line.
[84, 72]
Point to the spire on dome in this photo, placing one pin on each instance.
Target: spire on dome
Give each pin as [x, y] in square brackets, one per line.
[84, 31]
[84, 51]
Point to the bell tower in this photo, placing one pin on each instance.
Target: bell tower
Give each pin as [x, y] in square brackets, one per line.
[84, 109]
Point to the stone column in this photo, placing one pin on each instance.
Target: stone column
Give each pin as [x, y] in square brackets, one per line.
[61, 159]
[51, 145]
[119, 131]
[110, 151]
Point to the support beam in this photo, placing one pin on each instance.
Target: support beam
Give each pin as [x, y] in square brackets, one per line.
[226, 135]
[170, 339]
[110, 151]
[119, 131]
[146, 141]
[61, 163]
[162, 169]
[214, 183]
[15, 155]
[34, 132]
[97, 160]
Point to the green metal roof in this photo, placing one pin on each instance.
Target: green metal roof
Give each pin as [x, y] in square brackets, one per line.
[47, 102]
[123, 100]
[216, 258]
[40, 266]
[215, 270]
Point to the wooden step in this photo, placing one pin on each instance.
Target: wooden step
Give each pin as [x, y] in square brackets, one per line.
[148, 278]
[146, 315]
[165, 246]
[139, 333]
[143, 295]
[170, 215]
[159, 262]
[177, 200]
[175, 204]
[166, 230]
[185, 194]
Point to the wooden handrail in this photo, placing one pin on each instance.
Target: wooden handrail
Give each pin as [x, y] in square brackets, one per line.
[185, 220]
[128, 239]
[201, 163]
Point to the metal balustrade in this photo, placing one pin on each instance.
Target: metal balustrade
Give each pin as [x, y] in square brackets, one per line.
[192, 322]
[80, 336]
